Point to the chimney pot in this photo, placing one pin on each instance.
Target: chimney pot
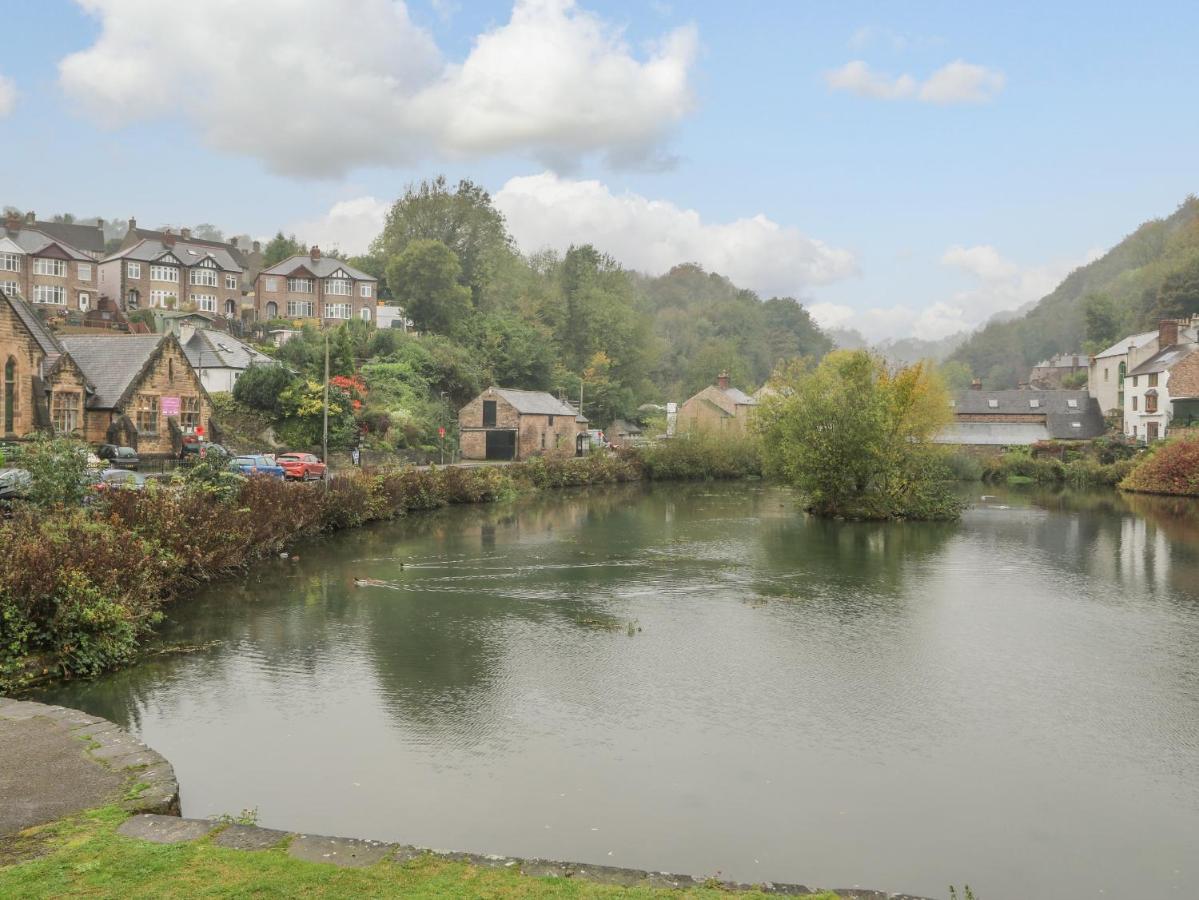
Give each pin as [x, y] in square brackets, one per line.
[257, 245]
[722, 381]
[233, 242]
[31, 217]
[315, 252]
[1167, 333]
[168, 239]
[185, 233]
[976, 384]
[12, 220]
[132, 224]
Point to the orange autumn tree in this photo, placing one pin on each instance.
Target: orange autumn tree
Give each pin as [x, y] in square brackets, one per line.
[856, 437]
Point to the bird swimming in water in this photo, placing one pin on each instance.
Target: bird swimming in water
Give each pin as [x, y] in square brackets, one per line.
[367, 582]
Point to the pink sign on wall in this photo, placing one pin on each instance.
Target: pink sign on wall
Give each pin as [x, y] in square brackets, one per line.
[170, 406]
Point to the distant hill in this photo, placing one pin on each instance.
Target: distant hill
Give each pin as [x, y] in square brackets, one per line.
[899, 350]
[1152, 273]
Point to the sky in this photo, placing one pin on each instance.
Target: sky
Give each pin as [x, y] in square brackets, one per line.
[906, 170]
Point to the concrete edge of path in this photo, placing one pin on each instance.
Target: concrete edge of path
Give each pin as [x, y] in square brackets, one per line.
[149, 784]
[357, 852]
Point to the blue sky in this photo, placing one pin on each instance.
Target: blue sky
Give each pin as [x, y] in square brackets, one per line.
[896, 206]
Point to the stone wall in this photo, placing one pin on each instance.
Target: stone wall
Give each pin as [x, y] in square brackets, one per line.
[17, 345]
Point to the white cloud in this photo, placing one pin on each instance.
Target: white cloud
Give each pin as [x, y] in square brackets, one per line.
[956, 82]
[653, 235]
[316, 88]
[349, 226]
[8, 96]
[982, 260]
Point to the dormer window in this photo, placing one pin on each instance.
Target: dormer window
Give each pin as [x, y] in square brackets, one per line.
[1034, 404]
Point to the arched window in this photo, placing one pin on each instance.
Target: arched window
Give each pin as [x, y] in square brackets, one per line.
[272, 310]
[10, 394]
[366, 314]
[230, 308]
[133, 300]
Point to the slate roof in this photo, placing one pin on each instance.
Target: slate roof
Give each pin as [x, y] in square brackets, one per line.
[208, 349]
[150, 234]
[1063, 361]
[187, 252]
[34, 240]
[34, 325]
[739, 397]
[110, 363]
[536, 403]
[1121, 346]
[1164, 360]
[1061, 409]
[89, 238]
[321, 267]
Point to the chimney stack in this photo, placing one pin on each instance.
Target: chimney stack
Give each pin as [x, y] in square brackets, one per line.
[168, 239]
[185, 233]
[30, 217]
[1167, 333]
[257, 246]
[132, 224]
[315, 253]
[12, 220]
[976, 384]
[722, 381]
[233, 242]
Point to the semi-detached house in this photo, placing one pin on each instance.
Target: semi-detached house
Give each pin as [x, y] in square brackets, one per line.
[39, 264]
[171, 273]
[315, 289]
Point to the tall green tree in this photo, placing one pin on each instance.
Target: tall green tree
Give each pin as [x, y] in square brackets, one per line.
[279, 248]
[462, 218]
[424, 278]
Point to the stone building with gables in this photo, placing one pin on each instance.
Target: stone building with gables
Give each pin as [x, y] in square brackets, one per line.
[503, 423]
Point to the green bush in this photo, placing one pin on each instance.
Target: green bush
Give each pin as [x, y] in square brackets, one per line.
[700, 456]
[57, 467]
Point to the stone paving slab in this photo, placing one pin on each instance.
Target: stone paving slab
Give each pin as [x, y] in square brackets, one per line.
[166, 829]
[349, 852]
[249, 837]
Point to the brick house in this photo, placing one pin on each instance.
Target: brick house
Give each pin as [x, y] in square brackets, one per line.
[170, 272]
[1007, 418]
[248, 257]
[142, 391]
[502, 423]
[315, 289]
[718, 406]
[40, 266]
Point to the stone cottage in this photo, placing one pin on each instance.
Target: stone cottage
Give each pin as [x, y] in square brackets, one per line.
[718, 407]
[503, 423]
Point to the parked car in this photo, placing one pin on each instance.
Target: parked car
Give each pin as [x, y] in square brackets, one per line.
[257, 464]
[14, 483]
[197, 449]
[302, 466]
[119, 457]
[119, 479]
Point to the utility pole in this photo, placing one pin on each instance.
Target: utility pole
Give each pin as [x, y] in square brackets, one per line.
[325, 430]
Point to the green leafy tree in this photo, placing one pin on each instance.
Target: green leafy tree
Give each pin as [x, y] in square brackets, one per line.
[424, 278]
[1178, 296]
[462, 218]
[515, 352]
[855, 438]
[279, 248]
[260, 387]
[1103, 322]
[57, 467]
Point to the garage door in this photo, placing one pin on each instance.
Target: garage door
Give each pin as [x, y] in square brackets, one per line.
[501, 445]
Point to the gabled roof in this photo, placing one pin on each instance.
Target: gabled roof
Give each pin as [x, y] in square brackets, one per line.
[150, 234]
[537, 403]
[34, 241]
[208, 349]
[321, 267]
[187, 252]
[33, 323]
[1121, 346]
[1164, 360]
[111, 362]
[89, 238]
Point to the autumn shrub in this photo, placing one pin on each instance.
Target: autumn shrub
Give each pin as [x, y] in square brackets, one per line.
[347, 501]
[596, 468]
[409, 490]
[700, 456]
[478, 484]
[76, 591]
[1169, 468]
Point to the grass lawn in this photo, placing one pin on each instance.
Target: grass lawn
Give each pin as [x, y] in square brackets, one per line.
[85, 856]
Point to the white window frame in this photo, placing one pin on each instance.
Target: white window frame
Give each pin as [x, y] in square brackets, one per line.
[339, 287]
[231, 282]
[293, 307]
[158, 299]
[203, 276]
[364, 289]
[365, 313]
[299, 285]
[11, 288]
[55, 267]
[271, 284]
[205, 302]
[10, 262]
[133, 270]
[337, 310]
[57, 292]
[83, 271]
[167, 274]
[84, 301]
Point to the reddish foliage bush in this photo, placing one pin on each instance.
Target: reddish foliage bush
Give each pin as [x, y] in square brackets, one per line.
[1171, 468]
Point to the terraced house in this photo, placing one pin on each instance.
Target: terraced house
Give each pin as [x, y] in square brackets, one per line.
[174, 272]
[39, 264]
[316, 289]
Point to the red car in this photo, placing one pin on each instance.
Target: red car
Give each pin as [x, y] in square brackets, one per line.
[301, 466]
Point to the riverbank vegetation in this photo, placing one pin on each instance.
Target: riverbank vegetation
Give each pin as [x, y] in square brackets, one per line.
[855, 437]
[83, 585]
[1171, 467]
[85, 855]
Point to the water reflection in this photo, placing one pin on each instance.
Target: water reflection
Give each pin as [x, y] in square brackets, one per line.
[1013, 699]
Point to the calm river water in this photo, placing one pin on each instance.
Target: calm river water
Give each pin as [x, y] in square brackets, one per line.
[1011, 701]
